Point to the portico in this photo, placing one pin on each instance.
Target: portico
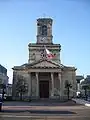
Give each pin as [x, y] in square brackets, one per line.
[46, 84]
[45, 79]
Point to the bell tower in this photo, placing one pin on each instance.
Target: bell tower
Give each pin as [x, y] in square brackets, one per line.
[44, 37]
[44, 31]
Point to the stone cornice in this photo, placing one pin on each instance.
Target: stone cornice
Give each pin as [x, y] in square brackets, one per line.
[44, 20]
[39, 70]
[69, 68]
[41, 45]
[27, 67]
[22, 68]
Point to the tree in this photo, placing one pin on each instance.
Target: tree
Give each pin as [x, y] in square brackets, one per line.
[3, 87]
[21, 86]
[68, 86]
[86, 86]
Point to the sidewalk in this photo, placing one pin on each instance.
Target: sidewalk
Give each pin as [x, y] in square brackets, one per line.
[39, 103]
[81, 101]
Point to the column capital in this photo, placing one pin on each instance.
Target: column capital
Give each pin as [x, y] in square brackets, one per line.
[29, 72]
[59, 75]
[51, 75]
[52, 72]
[37, 73]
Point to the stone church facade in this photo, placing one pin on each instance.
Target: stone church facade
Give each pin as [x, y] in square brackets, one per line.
[45, 77]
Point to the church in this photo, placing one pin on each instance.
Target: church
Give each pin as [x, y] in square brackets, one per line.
[44, 73]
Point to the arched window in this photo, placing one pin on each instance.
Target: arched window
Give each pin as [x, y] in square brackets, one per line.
[44, 30]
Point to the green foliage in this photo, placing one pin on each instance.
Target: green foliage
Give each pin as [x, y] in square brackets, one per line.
[21, 86]
[85, 84]
[68, 86]
[86, 87]
[78, 81]
[3, 87]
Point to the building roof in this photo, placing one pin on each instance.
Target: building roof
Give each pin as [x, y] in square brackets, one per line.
[42, 63]
[79, 77]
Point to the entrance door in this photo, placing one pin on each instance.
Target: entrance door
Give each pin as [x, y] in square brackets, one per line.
[44, 89]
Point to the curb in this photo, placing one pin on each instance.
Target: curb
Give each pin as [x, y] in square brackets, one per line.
[83, 102]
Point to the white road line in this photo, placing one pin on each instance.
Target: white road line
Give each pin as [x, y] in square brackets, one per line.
[45, 116]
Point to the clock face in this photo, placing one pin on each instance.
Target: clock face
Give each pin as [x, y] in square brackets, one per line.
[42, 40]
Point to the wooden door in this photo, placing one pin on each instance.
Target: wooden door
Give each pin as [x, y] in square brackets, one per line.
[44, 89]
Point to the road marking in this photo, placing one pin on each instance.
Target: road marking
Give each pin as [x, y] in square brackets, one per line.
[45, 116]
[44, 107]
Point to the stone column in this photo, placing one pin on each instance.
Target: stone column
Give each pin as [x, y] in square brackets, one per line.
[52, 81]
[37, 85]
[30, 86]
[59, 77]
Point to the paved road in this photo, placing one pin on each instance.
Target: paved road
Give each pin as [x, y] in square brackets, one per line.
[44, 112]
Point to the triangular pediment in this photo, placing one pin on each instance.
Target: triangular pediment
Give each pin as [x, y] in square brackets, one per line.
[44, 64]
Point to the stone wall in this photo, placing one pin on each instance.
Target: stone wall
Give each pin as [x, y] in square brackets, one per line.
[70, 76]
[35, 52]
[15, 79]
[56, 86]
